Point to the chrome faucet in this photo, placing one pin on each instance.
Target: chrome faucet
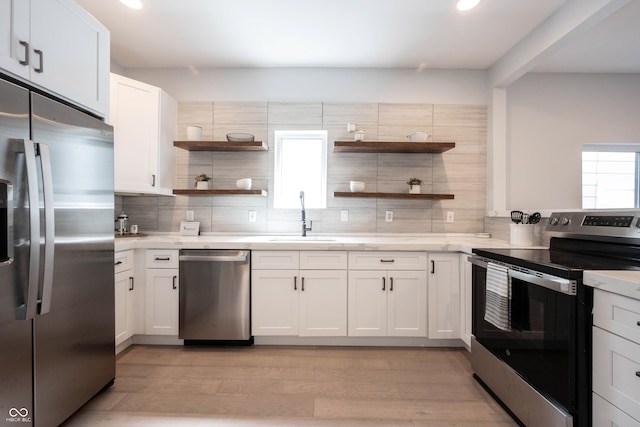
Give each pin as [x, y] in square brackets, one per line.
[304, 219]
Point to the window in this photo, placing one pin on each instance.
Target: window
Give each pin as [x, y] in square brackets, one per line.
[610, 176]
[300, 165]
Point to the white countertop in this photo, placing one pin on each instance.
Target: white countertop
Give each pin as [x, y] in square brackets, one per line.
[620, 282]
[432, 242]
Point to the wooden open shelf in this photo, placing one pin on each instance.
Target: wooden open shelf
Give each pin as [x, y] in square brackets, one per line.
[394, 195]
[195, 192]
[221, 145]
[391, 147]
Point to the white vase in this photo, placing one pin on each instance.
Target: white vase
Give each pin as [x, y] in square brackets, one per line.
[415, 189]
[202, 185]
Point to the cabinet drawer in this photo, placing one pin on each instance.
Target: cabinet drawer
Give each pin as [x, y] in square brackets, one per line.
[123, 261]
[275, 260]
[616, 372]
[387, 260]
[158, 258]
[323, 260]
[605, 414]
[618, 314]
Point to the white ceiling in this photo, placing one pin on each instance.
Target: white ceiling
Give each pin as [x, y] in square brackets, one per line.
[420, 34]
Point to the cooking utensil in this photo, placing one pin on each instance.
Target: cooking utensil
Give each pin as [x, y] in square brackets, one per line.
[534, 218]
[516, 216]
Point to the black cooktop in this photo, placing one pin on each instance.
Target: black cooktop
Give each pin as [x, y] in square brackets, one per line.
[568, 258]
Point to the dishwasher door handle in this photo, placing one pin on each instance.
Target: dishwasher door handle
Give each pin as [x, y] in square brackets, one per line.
[239, 256]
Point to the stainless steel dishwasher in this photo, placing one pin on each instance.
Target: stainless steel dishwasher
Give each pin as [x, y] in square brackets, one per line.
[215, 296]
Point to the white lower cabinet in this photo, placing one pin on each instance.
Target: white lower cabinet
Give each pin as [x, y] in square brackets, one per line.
[465, 299]
[301, 300]
[444, 295]
[162, 296]
[125, 288]
[388, 303]
[605, 414]
[616, 359]
[388, 294]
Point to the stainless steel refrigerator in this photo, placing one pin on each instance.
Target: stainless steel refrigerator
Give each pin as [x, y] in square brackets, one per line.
[56, 258]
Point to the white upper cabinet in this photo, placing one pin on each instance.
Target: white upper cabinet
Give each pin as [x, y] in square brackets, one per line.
[144, 120]
[59, 47]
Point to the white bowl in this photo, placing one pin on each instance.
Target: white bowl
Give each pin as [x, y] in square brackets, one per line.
[244, 184]
[418, 137]
[356, 186]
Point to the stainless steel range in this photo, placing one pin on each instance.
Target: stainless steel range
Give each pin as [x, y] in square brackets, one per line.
[532, 315]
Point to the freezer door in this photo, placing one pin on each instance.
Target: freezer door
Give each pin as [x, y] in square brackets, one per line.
[75, 327]
[16, 403]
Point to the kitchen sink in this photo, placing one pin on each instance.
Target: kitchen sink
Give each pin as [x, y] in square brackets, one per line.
[302, 239]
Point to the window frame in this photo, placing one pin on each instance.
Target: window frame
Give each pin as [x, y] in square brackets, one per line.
[613, 148]
[279, 201]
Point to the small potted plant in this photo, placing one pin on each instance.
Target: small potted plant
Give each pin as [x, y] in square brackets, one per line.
[414, 184]
[202, 181]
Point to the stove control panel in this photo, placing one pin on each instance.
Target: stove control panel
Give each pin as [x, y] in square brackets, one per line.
[603, 223]
[608, 221]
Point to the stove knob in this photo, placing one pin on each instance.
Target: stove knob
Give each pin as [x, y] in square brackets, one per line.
[564, 221]
[553, 220]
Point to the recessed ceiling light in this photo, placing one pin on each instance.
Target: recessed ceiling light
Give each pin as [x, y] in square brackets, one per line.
[467, 4]
[133, 4]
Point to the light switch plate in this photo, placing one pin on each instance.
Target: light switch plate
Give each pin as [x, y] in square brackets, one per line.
[344, 215]
[189, 228]
[388, 217]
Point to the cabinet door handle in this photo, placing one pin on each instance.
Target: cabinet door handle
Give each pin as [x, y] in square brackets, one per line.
[391, 284]
[302, 285]
[433, 267]
[26, 52]
[162, 258]
[153, 180]
[384, 282]
[295, 283]
[387, 260]
[117, 263]
[131, 285]
[40, 68]
[638, 374]
[175, 278]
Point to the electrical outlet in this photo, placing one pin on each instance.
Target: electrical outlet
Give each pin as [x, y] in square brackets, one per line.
[190, 216]
[252, 216]
[449, 216]
[388, 217]
[344, 215]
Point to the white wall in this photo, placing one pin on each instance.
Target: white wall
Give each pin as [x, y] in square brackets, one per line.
[549, 117]
[320, 84]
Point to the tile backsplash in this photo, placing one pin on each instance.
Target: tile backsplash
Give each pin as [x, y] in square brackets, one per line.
[460, 171]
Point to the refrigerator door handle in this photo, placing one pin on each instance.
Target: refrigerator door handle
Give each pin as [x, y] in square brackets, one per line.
[6, 199]
[49, 232]
[34, 231]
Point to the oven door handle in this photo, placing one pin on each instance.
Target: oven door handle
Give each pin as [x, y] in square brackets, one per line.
[564, 286]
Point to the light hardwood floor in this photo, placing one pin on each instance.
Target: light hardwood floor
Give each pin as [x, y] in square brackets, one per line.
[292, 386]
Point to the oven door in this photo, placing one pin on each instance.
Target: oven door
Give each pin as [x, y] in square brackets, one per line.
[539, 339]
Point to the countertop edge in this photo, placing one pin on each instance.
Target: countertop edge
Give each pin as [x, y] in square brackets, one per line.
[621, 282]
[437, 243]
